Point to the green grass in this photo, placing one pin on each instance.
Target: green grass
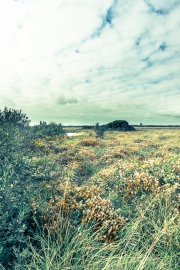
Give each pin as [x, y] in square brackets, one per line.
[139, 173]
[144, 243]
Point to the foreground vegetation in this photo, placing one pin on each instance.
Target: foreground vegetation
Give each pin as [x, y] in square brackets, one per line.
[87, 201]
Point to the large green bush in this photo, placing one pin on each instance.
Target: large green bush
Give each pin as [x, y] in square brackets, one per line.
[15, 213]
[119, 125]
[14, 117]
[15, 188]
[20, 176]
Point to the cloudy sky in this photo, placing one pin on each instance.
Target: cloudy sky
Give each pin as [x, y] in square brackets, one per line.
[87, 61]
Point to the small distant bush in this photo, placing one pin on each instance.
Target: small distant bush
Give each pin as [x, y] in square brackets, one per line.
[99, 130]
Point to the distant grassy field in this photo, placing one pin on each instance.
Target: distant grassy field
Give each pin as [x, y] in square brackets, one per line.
[111, 203]
[157, 127]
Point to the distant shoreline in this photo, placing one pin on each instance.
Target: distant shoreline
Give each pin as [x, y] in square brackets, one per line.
[155, 125]
[138, 126]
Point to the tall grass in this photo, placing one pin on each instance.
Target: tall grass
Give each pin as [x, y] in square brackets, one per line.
[139, 173]
[149, 241]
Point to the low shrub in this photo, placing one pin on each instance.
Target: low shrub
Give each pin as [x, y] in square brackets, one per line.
[81, 205]
[90, 142]
[43, 130]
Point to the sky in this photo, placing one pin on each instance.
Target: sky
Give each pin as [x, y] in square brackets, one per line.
[79, 62]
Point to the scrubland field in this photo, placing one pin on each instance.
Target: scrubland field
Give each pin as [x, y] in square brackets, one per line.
[84, 202]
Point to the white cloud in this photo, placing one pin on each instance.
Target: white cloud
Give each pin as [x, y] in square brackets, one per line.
[66, 51]
[162, 4]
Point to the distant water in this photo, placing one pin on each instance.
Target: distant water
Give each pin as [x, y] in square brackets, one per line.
[72, 134]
